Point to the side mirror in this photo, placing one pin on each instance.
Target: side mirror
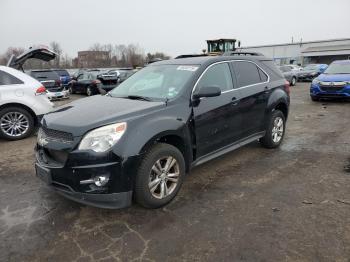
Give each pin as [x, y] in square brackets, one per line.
[207, 91]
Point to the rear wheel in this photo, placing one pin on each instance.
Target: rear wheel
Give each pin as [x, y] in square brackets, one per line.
[159, 176]
[275, 130]
[15, 123]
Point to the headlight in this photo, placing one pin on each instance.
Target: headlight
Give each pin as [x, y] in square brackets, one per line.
[315, 81]
[314, 73]
[103, 138]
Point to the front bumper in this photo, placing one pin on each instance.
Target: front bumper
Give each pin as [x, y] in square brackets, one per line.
[64, 172]
[108, 201]
[306, 77]
[317, 92]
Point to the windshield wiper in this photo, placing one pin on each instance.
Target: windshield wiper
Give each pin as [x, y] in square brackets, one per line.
[136, 97]
[133, 97]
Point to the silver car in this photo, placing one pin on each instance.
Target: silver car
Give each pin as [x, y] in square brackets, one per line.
[290, 75]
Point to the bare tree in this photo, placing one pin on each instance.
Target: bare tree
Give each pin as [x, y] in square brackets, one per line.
[58, 50]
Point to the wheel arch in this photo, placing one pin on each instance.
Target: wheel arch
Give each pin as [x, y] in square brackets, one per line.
[27, 108]
[173, 139]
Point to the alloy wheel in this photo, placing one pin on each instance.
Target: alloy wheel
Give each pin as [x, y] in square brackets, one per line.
[14, 124]
[277, 130]
[164, 177]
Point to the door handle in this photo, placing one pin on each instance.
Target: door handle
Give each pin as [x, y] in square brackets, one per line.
[266, 89]
[235, 101]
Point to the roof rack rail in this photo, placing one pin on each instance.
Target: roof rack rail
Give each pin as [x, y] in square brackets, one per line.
[242, 53]
[193, 55]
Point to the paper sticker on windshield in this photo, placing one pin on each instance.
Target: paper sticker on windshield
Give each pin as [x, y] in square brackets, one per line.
[188, 68]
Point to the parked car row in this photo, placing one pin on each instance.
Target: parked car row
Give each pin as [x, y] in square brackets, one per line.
[294, 73]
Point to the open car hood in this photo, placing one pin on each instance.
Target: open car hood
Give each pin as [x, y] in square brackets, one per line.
[41, 53]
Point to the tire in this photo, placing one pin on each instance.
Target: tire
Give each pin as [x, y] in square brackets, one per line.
[159, 153]
[24, 121]
[89, 91]
[70, 89]
[270, 139]
[315, 99]
[294, 81]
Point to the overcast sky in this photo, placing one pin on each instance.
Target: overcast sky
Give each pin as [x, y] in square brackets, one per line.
[173, 27]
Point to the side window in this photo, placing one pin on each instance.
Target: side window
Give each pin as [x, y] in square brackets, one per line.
[247, 73]
[7, 79]
[263, 76]
[80, 77]
[217, 75]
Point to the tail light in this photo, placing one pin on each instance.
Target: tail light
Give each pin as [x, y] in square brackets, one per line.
[40, 90]
[95, 82]
[287, 87]
[58, 82]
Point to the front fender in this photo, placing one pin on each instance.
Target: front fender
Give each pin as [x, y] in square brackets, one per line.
[141, 134]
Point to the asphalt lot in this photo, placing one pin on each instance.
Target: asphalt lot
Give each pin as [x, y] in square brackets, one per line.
[254, 204]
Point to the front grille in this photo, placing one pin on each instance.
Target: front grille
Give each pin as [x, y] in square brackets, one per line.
[331, 88]
[59, 156]
[56, 135]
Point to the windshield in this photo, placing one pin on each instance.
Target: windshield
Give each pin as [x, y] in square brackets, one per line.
[311, 67]
[338, 68]
[156, 82]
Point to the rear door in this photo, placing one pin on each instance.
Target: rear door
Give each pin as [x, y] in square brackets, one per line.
[217, 119]
[253, 84]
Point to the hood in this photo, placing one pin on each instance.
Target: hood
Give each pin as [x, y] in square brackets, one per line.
[334, 78]
[85, 114]
[41, 53]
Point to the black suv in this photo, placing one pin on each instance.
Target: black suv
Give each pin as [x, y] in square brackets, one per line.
[139, 141]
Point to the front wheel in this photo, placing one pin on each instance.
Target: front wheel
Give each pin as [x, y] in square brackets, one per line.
[159, 176]
[294, 81]
[71, 90]
[89, 91]
[275, 130]
[15, 123]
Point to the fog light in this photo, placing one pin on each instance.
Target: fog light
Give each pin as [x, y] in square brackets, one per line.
[101, 180]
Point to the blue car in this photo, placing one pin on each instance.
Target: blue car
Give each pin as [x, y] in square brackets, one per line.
[333, 83]
[64, 76]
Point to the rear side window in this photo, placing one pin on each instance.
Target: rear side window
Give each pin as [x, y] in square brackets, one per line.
[217, 75]
[7, 79]
[247, 73]
[263, 76]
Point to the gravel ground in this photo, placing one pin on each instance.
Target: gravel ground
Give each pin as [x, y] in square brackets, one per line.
[254, 204]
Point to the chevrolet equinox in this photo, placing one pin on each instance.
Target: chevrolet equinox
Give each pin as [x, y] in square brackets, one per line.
[140, 140]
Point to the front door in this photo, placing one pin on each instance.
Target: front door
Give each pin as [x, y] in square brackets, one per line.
[217, 119]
